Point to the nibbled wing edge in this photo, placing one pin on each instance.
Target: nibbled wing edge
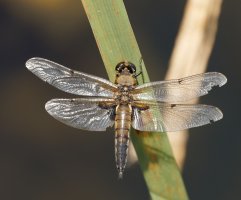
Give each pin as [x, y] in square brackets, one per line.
[174, 117]
[179, 90]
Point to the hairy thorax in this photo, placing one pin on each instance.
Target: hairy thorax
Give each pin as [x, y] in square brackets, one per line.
[125, 80]
[123, 95]
[126, 83]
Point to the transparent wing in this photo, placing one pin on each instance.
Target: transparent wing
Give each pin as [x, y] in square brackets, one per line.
[69, 80]
[81, 113]
[173, 117]
[179, 90]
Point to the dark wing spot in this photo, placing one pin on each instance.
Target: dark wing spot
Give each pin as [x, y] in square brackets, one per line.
[179, 81]
[211, 121]
[71, 72]
[173, 105]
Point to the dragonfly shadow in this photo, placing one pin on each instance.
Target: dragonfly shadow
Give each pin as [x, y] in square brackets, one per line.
[152, 156]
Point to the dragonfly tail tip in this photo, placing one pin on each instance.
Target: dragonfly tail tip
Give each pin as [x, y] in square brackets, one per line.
[120, 176]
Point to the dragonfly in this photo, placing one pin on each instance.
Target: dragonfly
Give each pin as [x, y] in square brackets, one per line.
[155, 106]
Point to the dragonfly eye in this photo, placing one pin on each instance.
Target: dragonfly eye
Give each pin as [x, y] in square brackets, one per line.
[131, 68]
[119, 67]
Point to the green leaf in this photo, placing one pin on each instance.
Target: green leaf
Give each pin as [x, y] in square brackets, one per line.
[116, 42]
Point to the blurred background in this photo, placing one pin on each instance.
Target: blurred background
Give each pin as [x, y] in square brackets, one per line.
[41, 158]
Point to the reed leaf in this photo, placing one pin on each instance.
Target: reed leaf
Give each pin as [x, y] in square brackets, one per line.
[116, 42]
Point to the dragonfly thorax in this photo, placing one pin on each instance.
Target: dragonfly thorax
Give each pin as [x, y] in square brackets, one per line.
[123, 96]
[125, 80]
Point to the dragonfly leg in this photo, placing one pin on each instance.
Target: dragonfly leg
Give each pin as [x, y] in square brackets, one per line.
[140, 106]
[107, 105]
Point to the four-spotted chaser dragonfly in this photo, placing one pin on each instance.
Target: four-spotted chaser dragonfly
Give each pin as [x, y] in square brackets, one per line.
[148, 107]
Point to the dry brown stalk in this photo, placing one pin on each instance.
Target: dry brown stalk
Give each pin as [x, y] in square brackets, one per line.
[191, 53]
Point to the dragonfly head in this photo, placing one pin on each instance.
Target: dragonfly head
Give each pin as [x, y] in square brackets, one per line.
[125, 68]
[125, 74]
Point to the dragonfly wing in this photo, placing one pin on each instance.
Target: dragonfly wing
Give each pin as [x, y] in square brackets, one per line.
[179, 90]
[165, 117]
[86, 114]
[69, 80]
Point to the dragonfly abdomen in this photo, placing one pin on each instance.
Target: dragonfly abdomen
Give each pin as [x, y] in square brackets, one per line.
[122, 127]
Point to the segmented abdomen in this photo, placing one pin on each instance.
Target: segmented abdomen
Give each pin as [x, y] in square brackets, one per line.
[122, 127]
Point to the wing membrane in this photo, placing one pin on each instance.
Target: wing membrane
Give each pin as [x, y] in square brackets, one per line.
[82, 113]
[69, 80]
[179, 90]
[173, 117]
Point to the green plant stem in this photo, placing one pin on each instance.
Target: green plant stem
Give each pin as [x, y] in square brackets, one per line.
[116, 42]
